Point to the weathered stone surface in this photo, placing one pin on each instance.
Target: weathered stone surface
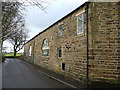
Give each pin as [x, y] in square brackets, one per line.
[104, 41]
[103, 44]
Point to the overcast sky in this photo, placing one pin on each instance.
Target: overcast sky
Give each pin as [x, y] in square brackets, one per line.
[37, 20]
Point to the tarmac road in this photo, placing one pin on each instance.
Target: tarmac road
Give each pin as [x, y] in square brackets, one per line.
[16, 74]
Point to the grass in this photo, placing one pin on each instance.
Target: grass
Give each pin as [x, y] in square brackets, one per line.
[12, 54]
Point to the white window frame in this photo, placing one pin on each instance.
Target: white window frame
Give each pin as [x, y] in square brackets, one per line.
[44, 51]
[30, 51]
[45, 47]
[80, 28]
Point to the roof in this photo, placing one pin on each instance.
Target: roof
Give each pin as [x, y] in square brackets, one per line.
[58, 21]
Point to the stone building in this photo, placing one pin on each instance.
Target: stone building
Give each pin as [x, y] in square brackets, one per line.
[85, 44]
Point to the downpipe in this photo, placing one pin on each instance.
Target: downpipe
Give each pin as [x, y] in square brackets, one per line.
[87, 73]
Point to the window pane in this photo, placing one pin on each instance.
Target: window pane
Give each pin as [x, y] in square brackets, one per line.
[63, 66]
[80, 24]
[45, 48]
[35, 41]
[59, 53]
[60, 31]
[45, 52]
[78, 31]
[30, 50]
[45, 43]
[80, 16]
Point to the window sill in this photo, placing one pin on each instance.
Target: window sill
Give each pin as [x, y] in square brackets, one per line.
[60, 36]
[82, 34]
[45, 56]
[59, 58]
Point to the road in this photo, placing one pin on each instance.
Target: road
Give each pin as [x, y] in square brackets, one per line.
[16, 74]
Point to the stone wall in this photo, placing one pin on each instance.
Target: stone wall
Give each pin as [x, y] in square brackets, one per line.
[74, 57]
[103, 45]
[104, 41]
[26, 51]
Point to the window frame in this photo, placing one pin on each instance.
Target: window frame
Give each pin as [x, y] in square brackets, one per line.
[59, 54]
[45, 47]
[63, 66]
[60, 30]
[45, 55]
[30, 50]
[80, 28]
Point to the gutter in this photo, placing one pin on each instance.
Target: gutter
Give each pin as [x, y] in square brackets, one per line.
[86, 9]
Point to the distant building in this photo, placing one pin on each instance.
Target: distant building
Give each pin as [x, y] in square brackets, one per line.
[85, 44]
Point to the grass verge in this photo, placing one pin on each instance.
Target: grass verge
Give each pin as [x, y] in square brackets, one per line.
[11, 55]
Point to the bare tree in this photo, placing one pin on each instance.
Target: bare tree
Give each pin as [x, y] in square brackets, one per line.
[12, 15]
[4, 49]
[19, 37]
[42, 4]
[10, 10]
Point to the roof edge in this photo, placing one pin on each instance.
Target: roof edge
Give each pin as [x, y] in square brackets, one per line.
[57, 21]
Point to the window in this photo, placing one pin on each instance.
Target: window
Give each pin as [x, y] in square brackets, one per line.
[35, 41]
[30, 50]
[60, 30]
[63, 66]
[59, 53]
[80, 24]
[45, 52]
[45, 48]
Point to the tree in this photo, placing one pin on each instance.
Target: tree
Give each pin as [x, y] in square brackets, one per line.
[11, 10]
[8, 12]
[12, 16]
[4, 49]
[19, 37]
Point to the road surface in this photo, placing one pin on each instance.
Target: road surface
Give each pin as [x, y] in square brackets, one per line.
[16, 74]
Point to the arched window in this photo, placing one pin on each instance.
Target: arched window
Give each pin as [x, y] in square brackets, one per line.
[45, 48]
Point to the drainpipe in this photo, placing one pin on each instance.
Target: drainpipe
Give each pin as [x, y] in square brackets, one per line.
[86, 10]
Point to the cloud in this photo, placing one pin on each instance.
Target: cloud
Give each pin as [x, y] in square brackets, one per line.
[8, 45]
[33, 31]
[37, 20]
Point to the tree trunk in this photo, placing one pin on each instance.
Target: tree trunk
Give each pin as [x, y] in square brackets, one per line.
[15, 53]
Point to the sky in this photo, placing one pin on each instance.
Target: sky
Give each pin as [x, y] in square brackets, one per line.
[37, 20]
